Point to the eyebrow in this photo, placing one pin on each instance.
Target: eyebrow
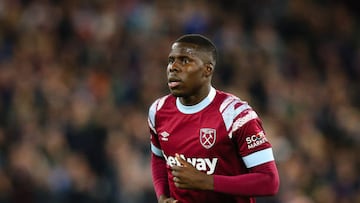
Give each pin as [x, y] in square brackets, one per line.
[192, 50]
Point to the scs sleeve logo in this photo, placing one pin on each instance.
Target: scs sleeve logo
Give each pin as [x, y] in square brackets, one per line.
[256, 140]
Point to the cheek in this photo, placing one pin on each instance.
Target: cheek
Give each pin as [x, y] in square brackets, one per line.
[193, 75]
[197, 79]
[202, 75]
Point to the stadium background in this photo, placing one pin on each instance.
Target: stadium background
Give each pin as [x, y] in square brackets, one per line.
[77, 77]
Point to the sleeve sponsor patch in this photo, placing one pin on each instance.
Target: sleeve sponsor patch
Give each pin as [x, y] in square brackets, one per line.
[258, 139]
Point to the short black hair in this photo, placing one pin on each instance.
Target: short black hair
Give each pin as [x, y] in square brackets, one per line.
[203, 42]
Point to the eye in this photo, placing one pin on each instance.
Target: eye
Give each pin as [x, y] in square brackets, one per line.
[171, 60]
[185, 60]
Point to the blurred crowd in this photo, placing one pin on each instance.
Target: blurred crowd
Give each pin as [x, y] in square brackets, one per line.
[77, 78]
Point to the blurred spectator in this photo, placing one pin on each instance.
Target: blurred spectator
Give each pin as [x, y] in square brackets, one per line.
[76, 79]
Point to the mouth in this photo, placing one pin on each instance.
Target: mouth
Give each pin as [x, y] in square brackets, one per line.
[174, 82]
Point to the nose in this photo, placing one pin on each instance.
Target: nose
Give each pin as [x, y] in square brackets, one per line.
[173, 67]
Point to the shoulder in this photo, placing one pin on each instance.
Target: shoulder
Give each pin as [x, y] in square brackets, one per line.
[230, 102]
[156, 106]
[231, 108]
[158, 103]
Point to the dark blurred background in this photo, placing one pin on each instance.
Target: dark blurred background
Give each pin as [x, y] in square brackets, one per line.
[77, 78]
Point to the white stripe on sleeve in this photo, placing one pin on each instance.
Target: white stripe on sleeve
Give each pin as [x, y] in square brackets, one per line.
[243, 120]
[258, 157]
[230, 113]
[151, 117]
[156, 150]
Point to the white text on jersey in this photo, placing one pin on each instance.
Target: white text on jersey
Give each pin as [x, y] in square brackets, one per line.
[202, 164]
[256, 140]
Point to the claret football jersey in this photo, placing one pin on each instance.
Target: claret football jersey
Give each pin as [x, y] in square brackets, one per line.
[220, 135]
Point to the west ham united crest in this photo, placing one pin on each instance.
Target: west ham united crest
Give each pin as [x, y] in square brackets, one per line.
[207, 137]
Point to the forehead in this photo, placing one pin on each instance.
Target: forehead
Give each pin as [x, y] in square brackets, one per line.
[187, 49]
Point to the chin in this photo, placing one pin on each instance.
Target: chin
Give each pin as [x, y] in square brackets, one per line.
[177, 93]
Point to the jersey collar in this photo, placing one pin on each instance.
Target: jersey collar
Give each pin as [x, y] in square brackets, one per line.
[197, 107]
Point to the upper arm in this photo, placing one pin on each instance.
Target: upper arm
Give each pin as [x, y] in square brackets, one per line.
[253, 146]
[155, 144]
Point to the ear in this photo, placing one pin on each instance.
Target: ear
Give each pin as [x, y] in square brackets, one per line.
[209, 68]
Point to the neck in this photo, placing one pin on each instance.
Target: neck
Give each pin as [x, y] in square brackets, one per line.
[196, 98]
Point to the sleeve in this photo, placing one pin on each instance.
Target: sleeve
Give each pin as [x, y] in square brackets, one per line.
[159, 175]
[155, 145]
[158, 163]
[256, 153]
[262, 180]
[249, 136]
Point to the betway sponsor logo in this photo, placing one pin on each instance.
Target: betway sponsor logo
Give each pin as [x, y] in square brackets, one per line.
[202, 164]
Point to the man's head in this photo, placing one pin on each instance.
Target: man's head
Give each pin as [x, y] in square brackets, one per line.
[202, 45]
[192, 60]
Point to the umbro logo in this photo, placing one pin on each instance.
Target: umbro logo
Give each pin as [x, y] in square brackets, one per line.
[164, 136]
